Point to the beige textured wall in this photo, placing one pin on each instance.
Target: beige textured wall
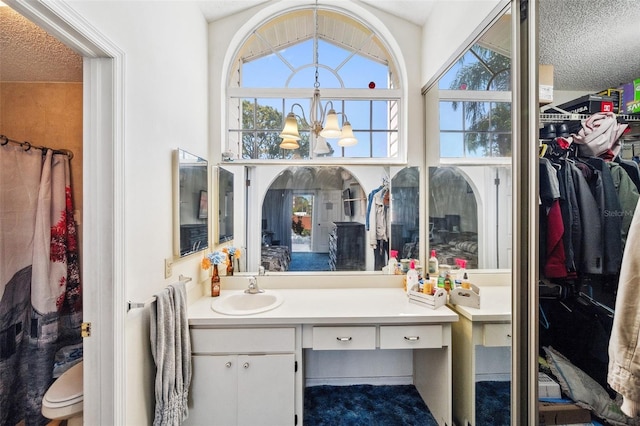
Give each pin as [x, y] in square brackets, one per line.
[47, 114]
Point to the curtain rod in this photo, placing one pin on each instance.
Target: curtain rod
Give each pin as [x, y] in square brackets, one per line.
[28, 145]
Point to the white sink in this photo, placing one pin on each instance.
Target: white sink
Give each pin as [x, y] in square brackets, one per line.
[246, 304]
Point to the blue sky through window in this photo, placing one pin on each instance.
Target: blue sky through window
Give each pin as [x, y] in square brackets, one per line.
[357, 72]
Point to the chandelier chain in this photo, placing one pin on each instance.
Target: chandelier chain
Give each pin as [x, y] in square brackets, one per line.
[315, 45]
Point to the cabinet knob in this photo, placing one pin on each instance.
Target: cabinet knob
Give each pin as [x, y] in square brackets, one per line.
[343, 339]
[245, 365]
[412, 338]
[228, 364]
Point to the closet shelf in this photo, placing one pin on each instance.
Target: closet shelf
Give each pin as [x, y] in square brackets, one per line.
[556, 117]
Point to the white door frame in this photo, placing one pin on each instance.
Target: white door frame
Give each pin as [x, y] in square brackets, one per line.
[103, 204]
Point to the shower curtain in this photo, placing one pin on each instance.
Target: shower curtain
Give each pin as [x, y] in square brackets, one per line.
[40, 288]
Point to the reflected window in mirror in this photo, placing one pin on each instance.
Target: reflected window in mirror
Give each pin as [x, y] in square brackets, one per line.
[470, 191]
[192, 203]
[225, 205]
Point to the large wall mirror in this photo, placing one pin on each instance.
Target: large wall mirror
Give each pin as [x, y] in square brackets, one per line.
[191, 203]
[225, 205]
[324, 218]
[470, 215]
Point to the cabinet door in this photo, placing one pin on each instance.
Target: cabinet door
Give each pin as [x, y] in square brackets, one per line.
[213, 397]
[266, 385]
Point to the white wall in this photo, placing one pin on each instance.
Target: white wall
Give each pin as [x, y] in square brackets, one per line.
[448, 31]
[165, 107]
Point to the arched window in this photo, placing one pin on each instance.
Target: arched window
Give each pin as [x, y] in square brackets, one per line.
[276, 70]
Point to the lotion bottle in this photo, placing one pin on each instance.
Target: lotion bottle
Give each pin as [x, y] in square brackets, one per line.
[413, 280]
[433, 263]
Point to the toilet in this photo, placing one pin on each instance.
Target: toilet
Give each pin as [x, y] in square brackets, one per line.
[63, 399]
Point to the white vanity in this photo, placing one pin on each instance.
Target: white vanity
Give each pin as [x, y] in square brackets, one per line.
[482, 343]
[249, 369]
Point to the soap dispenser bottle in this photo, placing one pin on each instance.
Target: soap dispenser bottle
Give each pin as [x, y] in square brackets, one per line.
[433, 263]
[413, 280]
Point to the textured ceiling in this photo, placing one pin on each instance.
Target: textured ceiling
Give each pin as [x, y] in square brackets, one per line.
[28, 53]
[593, 44]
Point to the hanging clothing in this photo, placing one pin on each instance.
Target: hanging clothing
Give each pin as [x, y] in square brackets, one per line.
[590, 260]
[611, 216]
[627, 194]
[380, 229]
[624, 344]
[370, 204]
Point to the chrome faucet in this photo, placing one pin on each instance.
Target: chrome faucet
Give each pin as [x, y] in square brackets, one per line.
[253, 286]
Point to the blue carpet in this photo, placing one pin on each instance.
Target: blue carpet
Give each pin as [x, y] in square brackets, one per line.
[309, 261]
[365, 405]
[493, 403]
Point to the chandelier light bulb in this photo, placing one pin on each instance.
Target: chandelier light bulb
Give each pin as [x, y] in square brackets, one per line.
[347, 139]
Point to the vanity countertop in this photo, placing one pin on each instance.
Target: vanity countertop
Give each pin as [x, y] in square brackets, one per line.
[495, 305]
[327, 306]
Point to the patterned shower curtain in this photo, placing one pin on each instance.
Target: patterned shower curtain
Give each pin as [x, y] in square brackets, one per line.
[40, 289]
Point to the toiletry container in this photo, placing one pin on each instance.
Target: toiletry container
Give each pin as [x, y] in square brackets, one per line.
[64, 398]
[413, 280]
[393, 262]
[433, 263]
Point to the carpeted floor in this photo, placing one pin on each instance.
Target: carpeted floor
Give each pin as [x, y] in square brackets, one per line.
[493, 403]
[309, 261]
[368, 405]
[365, 405]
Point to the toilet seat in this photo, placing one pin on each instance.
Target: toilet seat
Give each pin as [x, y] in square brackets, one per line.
[65, 396]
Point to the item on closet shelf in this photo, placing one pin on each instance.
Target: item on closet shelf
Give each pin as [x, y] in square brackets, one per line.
[439, 298]
[413, 281]
[630, 97]
[433, 263]
[545, 83]
[588, 104]
[599, 134]
[616, 95]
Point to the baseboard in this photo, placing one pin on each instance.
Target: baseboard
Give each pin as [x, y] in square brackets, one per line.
[494, 377]
[347, 381]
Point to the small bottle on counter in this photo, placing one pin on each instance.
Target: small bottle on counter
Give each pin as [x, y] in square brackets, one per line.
[427, 286]
[448, 282]
[466, 284]
[433, 263]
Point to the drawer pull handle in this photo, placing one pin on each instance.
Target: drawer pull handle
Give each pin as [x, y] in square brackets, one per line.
[509, 336]
[245, 365]
[228, 364]
[343, 339]
[412, 338]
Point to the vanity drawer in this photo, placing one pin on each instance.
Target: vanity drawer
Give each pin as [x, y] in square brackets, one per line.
[496, 335]
[242, 340]
[410, 336]
[340, 338]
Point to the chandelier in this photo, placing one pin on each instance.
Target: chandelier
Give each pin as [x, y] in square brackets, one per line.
[330, 130]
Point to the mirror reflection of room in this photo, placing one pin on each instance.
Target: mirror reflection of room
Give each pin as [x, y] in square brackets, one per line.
[299, 211]
[225, 205]
[193, 202]
[322, 219]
